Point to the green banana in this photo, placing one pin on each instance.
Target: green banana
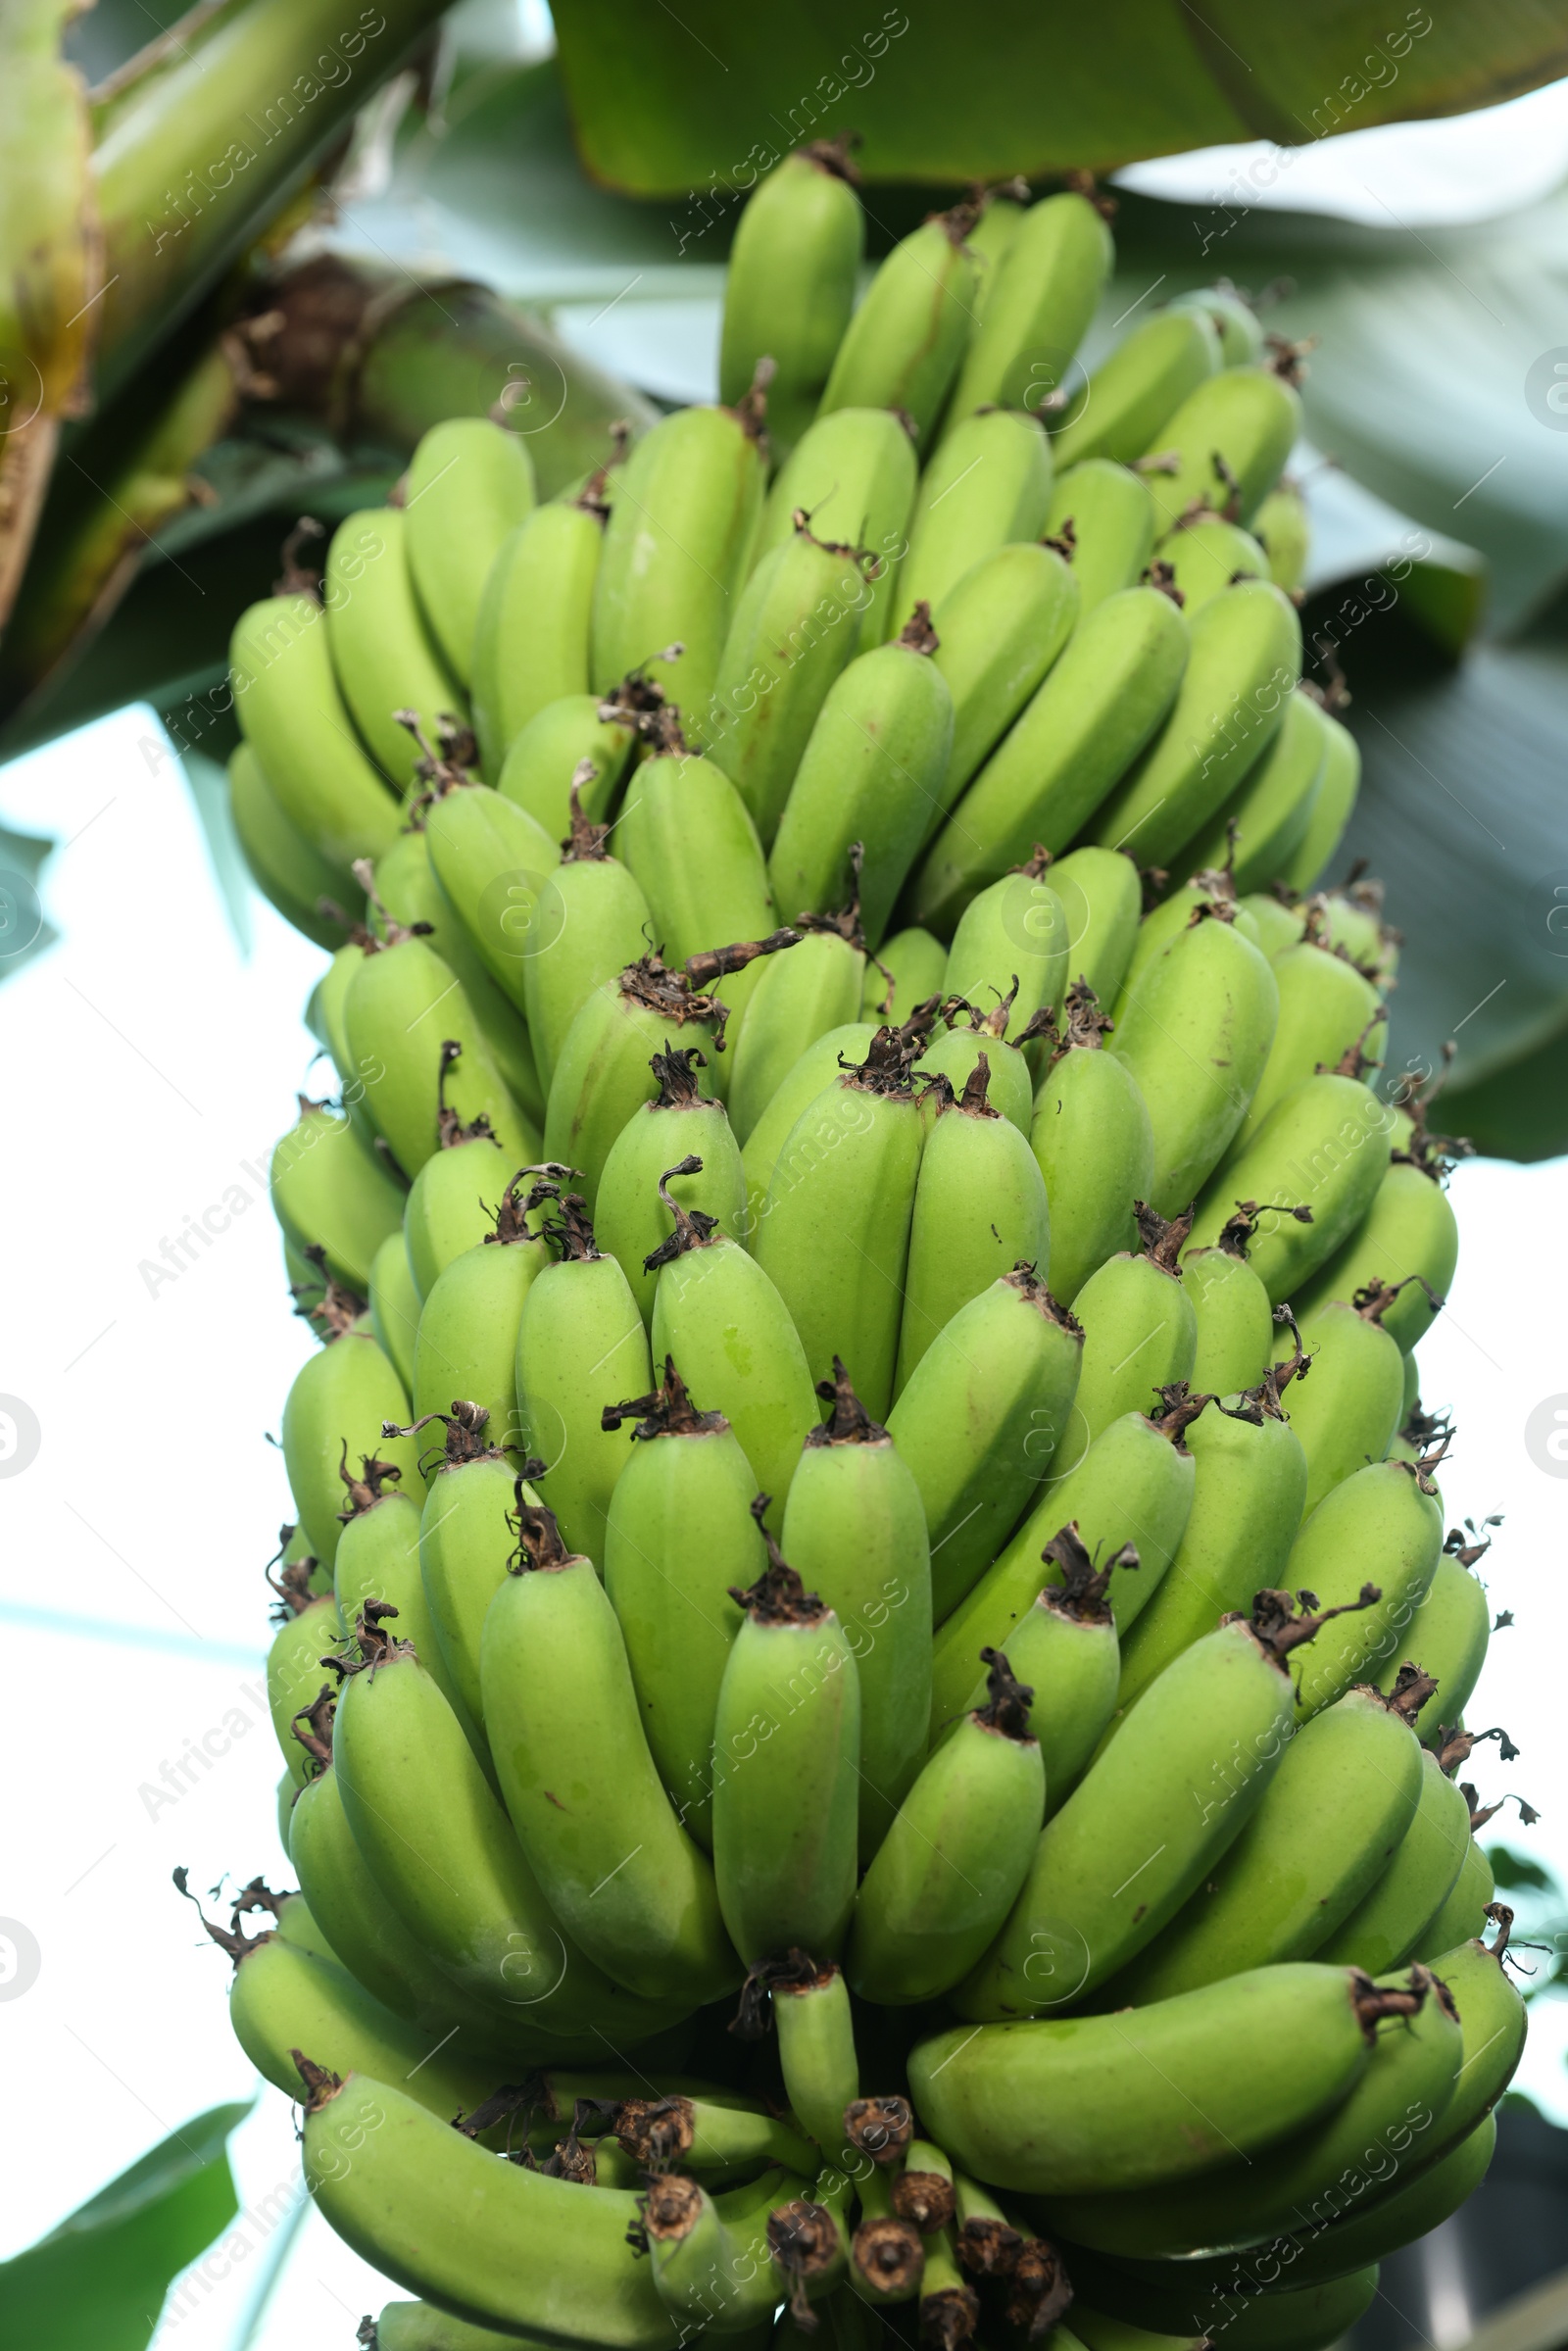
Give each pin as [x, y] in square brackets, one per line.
[955, 1856]
[469, 483]
[1214, 892]
[999, 629]
[1207, 555]
[1326, 1009]
[331, 1192]
[677, 549]
[590, 922]
[1408, 1244]
[786, 1748]
[980, 1419]
[1140, 1329]
[1278, 923]
[601, 1067]
[979, 1209]
[464, 1540]
[1465, 1911]
[492, 861]
[1105, 514]
[1347, 1412]
[815, 1069]
[467, 1340]
[580, 1344]
[378, 1567]
[1233, 321]
[1349, 922]
[1268, 813]
[1016, 931]
[906, 342]
[1138, 2101]
[284, 862]
[967, 1036]
[1101, 896]
[678, 1126]
[889, 2256]
[394, 1302]
[811, 2014]
[1383, 1521]
[1450, 1630]
[1283, 525]
[383, 657]
[421, 2327]
[1309, 1175]
[546, 755]
[444, 1212]
[690, 842]
[1064, 1648]
[1386, 1924]
[872, 772]
[624, 1878]
[988, 485]
[791, 285]
[1138, 388]
[1087, 723]
[293, 717]
[336, 1407]
[853, 476]
[308, 1623]
[1331, 810]
[855, 1528]
[1001, 209]
[797, 999]
[1230, 437]
[833, 1234]
[678, 1536]
[1047, 285]
[1235, 1320]
[1305, 2316]
[1243, 661]
[530, 643]
[713, 2271]
[1492, 2013]
[1094, 1148]
[908, 968]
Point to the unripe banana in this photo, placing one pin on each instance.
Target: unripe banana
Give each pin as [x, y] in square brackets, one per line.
[1235, 1320]
[469, 483]
[854, 475]
[583, 1791]
[991, 236]
[980, 1420]
[889, 2254]
[530, 644]
[1491, 2013]
[490, 859]
[854, 1523]
[1347, 1412]
[545, 757]
[1047, 285]
[908, 969]
[580, 1345]
[786, 1752]
[1134, 392]
[1276, 922]
[1001, 628]
[1382, 1524]
[335, 1413]
[1094, 1148]
[284, 862]
[1271, 807]
[1312, 1169]
[1284, 530]
[678, 1536]
[906, 342]
[790, 283]
[1103, 899]
[468, 1342]
[818, 1067]
[1350, 921]
[1140, 1329]
[987, 486]
[331, 1192]
[1209, 555]
[979, 1210]
[307, 1626]
[1309, 2314]
[872, 772]
[1244, 663]
[969, 1036]
[677, 548]
[810, 2010]
[383, 657]
[1064, 1648]
[1327, 1009]
[797, 999]
[1089, 721]
[602, 1072]
[955, 1856]
[1231, 437]
[713, 2261]
[589, 923]
[689, 839]
[395, 1305]
[466, 1537]
[422, 2326]
[679, 1126]
[378, 1568]
[1450, 1633]
[444, 1212]
[1108, 517]
[1168, 2098]
[1232, 316]
[833, 1234]
[1397, 1914]
[1407, 1242]
[1464, 1914]
[1331, 810]
[292, 713]
[1213, 892]
[1012, 942]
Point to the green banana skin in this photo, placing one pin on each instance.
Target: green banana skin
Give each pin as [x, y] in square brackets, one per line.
[490, 859]
[481, 2237]
[395, 1305]
[580, 1344]
[979, 1420]
[988, 485]
[1011, 941]
[530, 644]
[1002, 627]
[1303, 2317]
[1409, 1231]
[603, 1072]
[811, 2014]
[1249, 1480]
[290, 711]
[1136, 391]
[1383, 1522]
[1467, 1906]
[336, 1409]
[885, 2273]
[1276, 925]
[1205, 895]
[450, 1204]
[1094, 1148]
[1135, 1483]
[1347, 1415]
[1064, 1648]
[421, 2327]
[905, 344]
[786, 1744]
[1091, 2103]
[296, 1925]
[833, 1234]
[465, 1538]
[677, 548]
[544, 756]
[872, 772]
[403, 1008]
[1243, 661]
[1095, 710]
[383, 659]
[1450, 1633]
[284, 864]
[1492, 2018]
[1284, 529]
[468, 1342]
[855, 1529]
[1047, 285]
[989, 240]
[1326, 1008]
[1101, 896]
[1384, 1927]
[956, 1050]
[690, 842]
[1272, 804]
[1235, 321]
[329, 1191]
[294, 1672]
[718, 1314]
[680, 1140]
[591, 923]
[1235, 1321]
[952, 1864]
[1243, 419]
[378, 1561]
[680, 1537]
[1330, 1822]
[974, 1160]
[817, 1068]
[797, 999]
[712, 2268]
[470, 484]
[560, 1710]
[790, 287]
[908, 967]
[1323, 1147]
[1331, 810]
[1209, 554]
[1112, 527]
[1140, 1332]
[855, 474]
[435, 1838]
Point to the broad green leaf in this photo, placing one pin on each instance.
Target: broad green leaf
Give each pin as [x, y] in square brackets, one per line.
[97, 2281]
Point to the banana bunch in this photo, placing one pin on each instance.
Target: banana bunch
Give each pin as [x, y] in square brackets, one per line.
[871, 1677]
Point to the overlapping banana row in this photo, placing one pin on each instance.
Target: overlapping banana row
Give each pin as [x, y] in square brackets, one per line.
[870, 1673]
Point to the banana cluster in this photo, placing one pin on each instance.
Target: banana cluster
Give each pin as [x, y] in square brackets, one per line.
[871, 1680]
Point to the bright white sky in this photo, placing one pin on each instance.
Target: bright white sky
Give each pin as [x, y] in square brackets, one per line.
[152, 1063]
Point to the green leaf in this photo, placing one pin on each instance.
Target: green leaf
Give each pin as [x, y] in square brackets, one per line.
[1510, 1871]
[666, 101]
[97, 2283]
